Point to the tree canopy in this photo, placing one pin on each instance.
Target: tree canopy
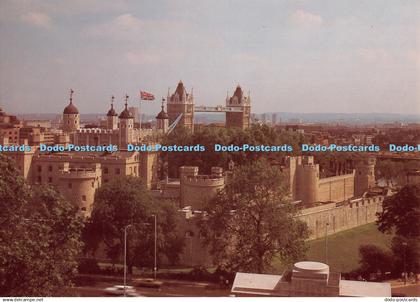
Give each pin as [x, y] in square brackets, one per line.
[124, 202]
[208, 137]
[40, 237]
[401, 212]
[251, 222]
[374, 259]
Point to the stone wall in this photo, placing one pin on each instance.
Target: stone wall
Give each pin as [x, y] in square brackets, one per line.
[337, 188]
[340, 216]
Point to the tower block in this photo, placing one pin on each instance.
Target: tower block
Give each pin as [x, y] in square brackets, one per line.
[181, 102]
[240, 115]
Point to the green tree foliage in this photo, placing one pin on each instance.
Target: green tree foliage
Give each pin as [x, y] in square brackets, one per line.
[39, 235]
[250, 222]
[124, 202]
[208, 137]
[400, 215]
[407, 249]
[374, 259]
[401, 212]
[389, 169]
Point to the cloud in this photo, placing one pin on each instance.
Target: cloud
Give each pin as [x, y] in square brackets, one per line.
[128, 27]
[134, 57]
[127, 21]
[305, 18]
[374, 55]
[36, 19]
[413, 56]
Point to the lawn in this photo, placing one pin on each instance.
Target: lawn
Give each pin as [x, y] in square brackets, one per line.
[343, 248]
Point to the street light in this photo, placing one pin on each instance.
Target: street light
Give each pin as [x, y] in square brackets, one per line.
[125, 257]
[155, 266]
[405, 268]
[326, 243]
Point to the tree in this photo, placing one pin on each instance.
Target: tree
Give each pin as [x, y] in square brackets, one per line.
[40, 237]
[401, 212]
[374, 259]
[250, 222]
[388, 170]
[124, 202]
[208, 137]
[406, 254]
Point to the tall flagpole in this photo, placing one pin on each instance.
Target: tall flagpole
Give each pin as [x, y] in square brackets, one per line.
[140, 113]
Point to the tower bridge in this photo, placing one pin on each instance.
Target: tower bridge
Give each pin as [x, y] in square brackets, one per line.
[181, 109]
[219, 108]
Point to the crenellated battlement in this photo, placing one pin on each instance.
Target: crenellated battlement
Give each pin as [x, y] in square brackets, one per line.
[78, 173]
[335, 217]
[203, 180]
[196, 189]
[95, 130]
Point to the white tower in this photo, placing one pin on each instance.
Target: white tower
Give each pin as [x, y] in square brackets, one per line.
[112, 117]
[126, 126]
[71, 119]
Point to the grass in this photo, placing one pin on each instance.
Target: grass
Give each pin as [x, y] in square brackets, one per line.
[343, 251]
[343, 248]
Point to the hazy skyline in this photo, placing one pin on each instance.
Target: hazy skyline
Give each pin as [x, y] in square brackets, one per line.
[294, 56]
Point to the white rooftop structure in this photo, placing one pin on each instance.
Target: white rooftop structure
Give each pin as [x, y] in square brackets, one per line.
[307, 278]
[349, 288]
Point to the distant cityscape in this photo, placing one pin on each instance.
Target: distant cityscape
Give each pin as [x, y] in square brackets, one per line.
[279, 117]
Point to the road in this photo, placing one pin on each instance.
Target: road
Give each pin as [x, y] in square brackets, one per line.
[173, 290]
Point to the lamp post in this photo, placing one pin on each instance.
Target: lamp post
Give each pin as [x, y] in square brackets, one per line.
[155, 266]
[326, 243]
[125, 257]
[405, 267]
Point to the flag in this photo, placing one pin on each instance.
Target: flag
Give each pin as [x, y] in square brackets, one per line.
[146, 96]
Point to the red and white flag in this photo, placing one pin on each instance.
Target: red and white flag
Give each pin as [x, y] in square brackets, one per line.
[146, 96]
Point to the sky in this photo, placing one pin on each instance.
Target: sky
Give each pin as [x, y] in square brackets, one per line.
[292, 56]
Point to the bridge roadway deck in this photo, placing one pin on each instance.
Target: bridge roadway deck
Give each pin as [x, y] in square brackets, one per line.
[217, 109]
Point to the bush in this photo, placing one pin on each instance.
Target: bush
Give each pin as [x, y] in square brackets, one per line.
[374, 261]
[88, 266]
[200, 273]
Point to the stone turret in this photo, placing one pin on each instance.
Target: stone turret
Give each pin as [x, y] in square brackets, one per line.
[71, 118]
[112, 117]
[126, 126]
[365, 175]
[197, 190]
[162, 119]
[80, 184]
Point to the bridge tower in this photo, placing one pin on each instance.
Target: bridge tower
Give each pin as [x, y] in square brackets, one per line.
[239, 119]
[181, 102]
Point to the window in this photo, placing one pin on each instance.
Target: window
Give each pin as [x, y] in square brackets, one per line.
[83, 209]
[83, 197]
[118, 171]
[105, 180]
[50, 179]
[70, 185]
[105, 170]
[50, 168]
[39, 168]
[39, 179]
